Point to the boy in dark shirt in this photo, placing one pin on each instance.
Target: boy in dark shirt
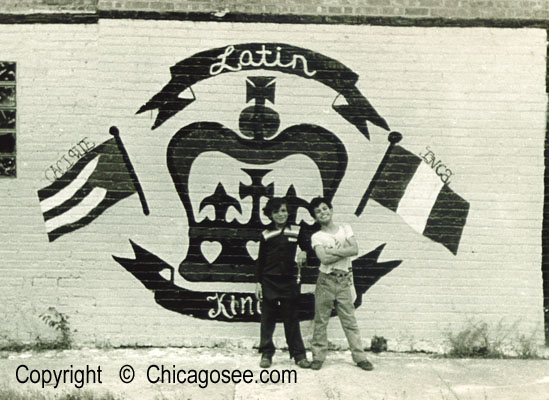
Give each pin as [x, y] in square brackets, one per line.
[277, 284]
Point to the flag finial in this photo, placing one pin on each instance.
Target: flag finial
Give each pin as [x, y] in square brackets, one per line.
[394, 137]
[113, 130]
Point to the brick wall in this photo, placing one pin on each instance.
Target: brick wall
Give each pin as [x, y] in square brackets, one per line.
[468, 9]
[48, 6]
[472, 98]
[388, 8]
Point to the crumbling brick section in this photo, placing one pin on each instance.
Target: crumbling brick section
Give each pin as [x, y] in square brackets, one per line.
[469, 9]
[49, 6]
[460, 9]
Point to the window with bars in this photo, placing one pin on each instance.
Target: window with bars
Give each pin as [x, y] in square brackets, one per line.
[7, 120]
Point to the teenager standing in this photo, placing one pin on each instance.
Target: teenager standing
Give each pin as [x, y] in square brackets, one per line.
[277, 284]
[334, 245]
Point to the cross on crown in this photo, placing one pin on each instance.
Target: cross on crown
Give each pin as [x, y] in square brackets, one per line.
[259, 121]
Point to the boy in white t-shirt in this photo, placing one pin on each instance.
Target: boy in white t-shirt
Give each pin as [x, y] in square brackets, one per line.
[334, 245]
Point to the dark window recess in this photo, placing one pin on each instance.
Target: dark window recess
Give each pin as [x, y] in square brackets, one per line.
[7, 143]
[8, 105]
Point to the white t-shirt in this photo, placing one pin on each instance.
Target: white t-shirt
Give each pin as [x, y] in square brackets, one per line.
[333, 241]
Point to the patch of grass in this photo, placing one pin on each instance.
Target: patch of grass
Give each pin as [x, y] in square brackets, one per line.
[526, 348]
[13, 394]
[12, 345]
[37, 345]
[479, 341]
[474, 342]
[88, 395]
[54, 319]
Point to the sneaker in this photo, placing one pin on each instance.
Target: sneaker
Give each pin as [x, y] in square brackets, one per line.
[303, 363]
[366, 365]
[266, 361]
[316, 365]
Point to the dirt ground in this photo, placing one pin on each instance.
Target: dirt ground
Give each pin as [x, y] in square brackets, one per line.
[396, 376]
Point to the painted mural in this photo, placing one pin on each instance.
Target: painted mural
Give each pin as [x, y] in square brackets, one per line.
[97, 177]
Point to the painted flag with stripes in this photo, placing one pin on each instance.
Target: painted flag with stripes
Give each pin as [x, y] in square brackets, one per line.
[96, 182]
[409, 186]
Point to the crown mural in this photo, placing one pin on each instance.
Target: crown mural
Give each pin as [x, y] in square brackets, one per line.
[259, 144]
[255, 153]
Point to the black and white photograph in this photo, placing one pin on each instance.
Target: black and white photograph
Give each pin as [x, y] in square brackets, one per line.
[260, 199]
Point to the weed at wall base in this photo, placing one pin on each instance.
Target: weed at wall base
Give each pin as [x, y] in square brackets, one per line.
[60, 322]
[478, 341]
[473, 341]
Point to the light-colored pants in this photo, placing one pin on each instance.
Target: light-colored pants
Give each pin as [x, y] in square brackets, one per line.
[335, 291]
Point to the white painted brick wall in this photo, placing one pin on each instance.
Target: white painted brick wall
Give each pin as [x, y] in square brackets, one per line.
[475, 96]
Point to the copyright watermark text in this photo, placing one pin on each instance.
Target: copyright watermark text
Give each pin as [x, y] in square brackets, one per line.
[154, 374]
[54, 377]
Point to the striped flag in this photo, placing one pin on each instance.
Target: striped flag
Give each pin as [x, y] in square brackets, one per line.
[409, 186]
[97, 181]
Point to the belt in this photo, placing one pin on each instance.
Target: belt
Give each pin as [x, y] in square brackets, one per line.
[339, 274]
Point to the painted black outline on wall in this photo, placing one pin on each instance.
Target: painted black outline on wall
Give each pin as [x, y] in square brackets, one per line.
[252, 56]
[99, 180]
[235, 306]
[234, 263]
[258, 122]
[260, 143]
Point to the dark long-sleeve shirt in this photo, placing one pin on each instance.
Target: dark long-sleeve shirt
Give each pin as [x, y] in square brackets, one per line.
[276, 268]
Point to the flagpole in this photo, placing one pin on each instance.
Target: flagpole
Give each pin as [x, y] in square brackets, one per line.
[116, 133]
[394, 137]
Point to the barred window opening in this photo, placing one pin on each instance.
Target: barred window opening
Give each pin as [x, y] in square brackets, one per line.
[7, 119]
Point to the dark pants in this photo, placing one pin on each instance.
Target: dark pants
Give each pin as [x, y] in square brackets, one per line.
[288, 309]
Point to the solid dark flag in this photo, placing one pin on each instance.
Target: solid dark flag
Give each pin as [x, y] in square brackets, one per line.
[410, 187]
[96, 182]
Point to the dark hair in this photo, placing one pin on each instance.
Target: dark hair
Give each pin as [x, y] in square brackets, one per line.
[274, 204]
[316, 202]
